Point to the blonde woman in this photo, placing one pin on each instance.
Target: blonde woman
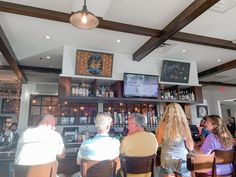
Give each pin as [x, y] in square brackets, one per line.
[174, 134]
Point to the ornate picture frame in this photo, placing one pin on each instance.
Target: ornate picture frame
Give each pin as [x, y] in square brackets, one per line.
[91, 63]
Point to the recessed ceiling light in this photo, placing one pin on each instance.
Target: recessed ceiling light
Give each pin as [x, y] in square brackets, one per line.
[118, 40]
[48, 57]
[47, 37]
[184, 50]
[218, 60]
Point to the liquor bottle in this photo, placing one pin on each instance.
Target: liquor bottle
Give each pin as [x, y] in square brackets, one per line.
[73, 90]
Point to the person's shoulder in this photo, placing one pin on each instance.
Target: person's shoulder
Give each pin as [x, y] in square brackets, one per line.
[115, 140]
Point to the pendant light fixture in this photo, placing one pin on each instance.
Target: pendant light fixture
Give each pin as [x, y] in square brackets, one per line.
[84, 19]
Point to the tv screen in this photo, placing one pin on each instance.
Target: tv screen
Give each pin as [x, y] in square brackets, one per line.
[140, 85]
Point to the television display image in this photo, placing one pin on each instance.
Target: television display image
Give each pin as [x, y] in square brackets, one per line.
[175, 71]
[140, 85]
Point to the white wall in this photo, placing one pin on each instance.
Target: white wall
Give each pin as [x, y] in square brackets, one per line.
[124, 63]
[224, 109]
[215, 94]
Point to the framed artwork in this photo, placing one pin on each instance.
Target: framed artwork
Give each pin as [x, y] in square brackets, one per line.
[175, 71]
[202, 111]
[90, 63]
[8, 106]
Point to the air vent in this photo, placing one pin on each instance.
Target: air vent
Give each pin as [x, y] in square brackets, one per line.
[223, 6]
[164, 47]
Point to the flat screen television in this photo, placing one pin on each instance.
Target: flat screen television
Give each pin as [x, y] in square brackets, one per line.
[140, 85]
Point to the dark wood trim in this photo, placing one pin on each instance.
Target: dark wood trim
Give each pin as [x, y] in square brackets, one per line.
[4, 67]
[34, 69]
[34, 12]
[41, 69]
[184, 18]
[115, 26]
[203, 40]
[218, 69]
[65, 17]
[217, 84]
[10, 56]
[64, 88]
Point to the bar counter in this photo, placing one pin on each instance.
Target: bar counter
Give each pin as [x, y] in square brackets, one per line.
[66, 166]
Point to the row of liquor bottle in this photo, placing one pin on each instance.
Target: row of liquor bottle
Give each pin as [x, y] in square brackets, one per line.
[183, 95]
[85, 90]
[121, 119]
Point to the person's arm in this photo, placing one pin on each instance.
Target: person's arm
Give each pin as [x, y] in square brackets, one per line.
[207, 146]
[61, 147]
[159, 135]
[189, 143]
[62, 155]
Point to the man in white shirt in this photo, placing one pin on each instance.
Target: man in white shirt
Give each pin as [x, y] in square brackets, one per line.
[101, 146]
[41, 144]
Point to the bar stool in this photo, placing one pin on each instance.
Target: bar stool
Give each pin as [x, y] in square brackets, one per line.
[43, 170]
[138, 165]
[105, 168]
[226, 157]
[200, 164]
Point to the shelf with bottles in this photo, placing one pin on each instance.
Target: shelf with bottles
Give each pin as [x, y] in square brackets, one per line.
[81, 87]
[94, 90]
[120, 111]
[180, 94]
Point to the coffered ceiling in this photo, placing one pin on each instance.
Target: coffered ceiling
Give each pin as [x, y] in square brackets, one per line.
[203, 31]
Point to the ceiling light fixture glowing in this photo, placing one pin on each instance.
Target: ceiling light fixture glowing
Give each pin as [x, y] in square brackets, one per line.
[47, 37]
[184, 50]
[48, 57]
[118, 40]
[84, 19]
[218, 60]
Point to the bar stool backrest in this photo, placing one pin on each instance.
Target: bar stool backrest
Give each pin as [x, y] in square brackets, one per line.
[138, 165]
[200, 164]
[105, 168]
[43, 170]
[226, 157]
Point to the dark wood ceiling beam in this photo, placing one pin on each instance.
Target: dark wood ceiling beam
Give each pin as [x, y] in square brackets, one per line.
[34, 69]
[41, 69]
[10, 56]
[217, 84]
[203, 40]
[4, 67]
[184, 18]
[65, 17]
[218, 69]
[115, 26]
[34, 12]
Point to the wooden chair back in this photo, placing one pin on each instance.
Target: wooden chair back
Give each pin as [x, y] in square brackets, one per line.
[43, 170]
[226, 157]
[105, 168]
[200, 165]
[138, 165]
